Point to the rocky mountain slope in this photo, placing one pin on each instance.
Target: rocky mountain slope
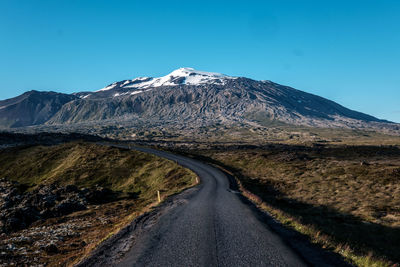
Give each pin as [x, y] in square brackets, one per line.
[185, 97]
[32, 108]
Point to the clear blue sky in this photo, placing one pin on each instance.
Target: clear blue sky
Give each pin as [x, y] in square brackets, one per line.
[347, 51]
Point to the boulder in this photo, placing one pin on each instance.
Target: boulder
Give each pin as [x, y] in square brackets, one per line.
[19, 210]
[51, 248]
[68, 206]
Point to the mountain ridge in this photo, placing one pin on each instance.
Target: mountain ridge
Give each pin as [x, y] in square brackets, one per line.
[31, 108]
[187, 96]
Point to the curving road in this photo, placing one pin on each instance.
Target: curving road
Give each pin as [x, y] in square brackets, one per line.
[212, 228]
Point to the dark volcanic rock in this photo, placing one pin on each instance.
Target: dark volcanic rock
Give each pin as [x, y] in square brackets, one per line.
[19, 217]
[51, 248]
[68, 206]
[98, 195]
[18, 210]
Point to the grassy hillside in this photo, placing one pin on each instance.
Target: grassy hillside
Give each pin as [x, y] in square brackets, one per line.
[346, 198]
[134, 178]
[87, 165]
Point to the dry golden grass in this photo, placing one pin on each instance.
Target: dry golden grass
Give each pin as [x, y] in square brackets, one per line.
[85, 165]
[347, 198]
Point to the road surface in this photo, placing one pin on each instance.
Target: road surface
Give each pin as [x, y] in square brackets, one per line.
[207, 225]
[213, 228]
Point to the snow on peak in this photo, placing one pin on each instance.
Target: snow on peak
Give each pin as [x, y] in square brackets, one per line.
[180, 76]
[187, 72]
[187, 76]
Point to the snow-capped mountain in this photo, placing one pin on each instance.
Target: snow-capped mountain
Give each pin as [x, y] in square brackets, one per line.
[187, 76]
[187, 97]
